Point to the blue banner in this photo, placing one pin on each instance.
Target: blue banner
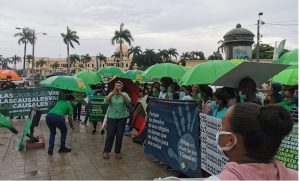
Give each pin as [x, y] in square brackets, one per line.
[173, 134]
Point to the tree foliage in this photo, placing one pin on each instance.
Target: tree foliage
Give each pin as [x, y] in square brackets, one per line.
[266, 51]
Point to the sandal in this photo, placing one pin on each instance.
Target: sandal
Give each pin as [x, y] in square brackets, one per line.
[118, 156]
[105, 156]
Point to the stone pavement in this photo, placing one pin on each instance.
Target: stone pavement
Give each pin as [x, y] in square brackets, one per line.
[85, 162]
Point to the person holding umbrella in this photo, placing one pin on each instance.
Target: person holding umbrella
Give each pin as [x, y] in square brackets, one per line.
[117, 116]
[55, 119]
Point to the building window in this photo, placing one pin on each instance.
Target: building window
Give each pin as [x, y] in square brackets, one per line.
[88, 65]
[93, 65]
[126, 65]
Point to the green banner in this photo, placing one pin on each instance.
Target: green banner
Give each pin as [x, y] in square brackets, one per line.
[98, 107]
[18, 102]
[26, 130]
[288, 150]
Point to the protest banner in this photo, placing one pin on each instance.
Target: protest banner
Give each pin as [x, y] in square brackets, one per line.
[288, 150]
[98, 108]
[173, 134]
[18, 102]
[212, 159]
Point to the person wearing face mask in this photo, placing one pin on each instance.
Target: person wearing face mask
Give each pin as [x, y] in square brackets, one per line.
[155, 92]
[221, 100]
[250, 137]
[288, 101]
[187, 92]
[164, 92]
[181, 92]
[247, 91]
[117, 116]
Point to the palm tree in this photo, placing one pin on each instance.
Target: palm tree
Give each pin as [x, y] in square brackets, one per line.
[149, 54]
[26, 36]
[4, 62]
[120, 37]
[200, 54]
[134, 51]
[74, 58]
[16, 59]
[69, 38]
[221, 47]
[54, 66]
[116, 57]
[163, 54]
[215, 56]
[40, 63]
[193, 55]
[172, 53]
[185, 56]
[85, 59]
[100, 57]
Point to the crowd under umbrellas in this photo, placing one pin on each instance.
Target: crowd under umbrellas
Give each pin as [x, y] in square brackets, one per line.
[175, 82]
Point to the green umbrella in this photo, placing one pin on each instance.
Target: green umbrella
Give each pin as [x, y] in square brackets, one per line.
[171, 70]
[66, 83]
[88, 77]
[288, 76]
[111, 71]
[290, 58]
[135, 75]
[207, 72]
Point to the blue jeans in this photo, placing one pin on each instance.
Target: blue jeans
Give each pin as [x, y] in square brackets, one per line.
[55, 121]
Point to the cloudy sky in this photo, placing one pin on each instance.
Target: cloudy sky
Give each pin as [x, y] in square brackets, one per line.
[159, 24]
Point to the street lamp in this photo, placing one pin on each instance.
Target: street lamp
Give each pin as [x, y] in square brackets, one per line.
[33, 58]
[259, 22]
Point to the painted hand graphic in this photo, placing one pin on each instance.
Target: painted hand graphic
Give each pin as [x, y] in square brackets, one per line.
[186, 147]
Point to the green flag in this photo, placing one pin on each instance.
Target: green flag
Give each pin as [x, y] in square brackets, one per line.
[278, 50]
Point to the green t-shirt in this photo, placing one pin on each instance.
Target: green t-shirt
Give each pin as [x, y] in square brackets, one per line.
[117, 107]
[62, 108]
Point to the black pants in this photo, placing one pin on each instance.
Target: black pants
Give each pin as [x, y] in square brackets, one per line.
[77, 111]
[115, 128]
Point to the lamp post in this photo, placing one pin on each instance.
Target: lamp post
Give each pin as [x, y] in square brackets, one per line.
[259, 22]
[33, 57]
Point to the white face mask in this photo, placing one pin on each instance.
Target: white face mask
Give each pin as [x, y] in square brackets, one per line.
[228, 146]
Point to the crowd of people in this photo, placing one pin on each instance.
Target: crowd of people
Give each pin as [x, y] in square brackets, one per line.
[253, 125]
[215, 103]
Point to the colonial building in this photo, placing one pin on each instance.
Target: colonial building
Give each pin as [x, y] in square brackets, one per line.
[92, 65]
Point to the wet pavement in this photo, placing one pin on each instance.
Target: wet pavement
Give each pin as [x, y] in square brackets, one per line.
[85, 162]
